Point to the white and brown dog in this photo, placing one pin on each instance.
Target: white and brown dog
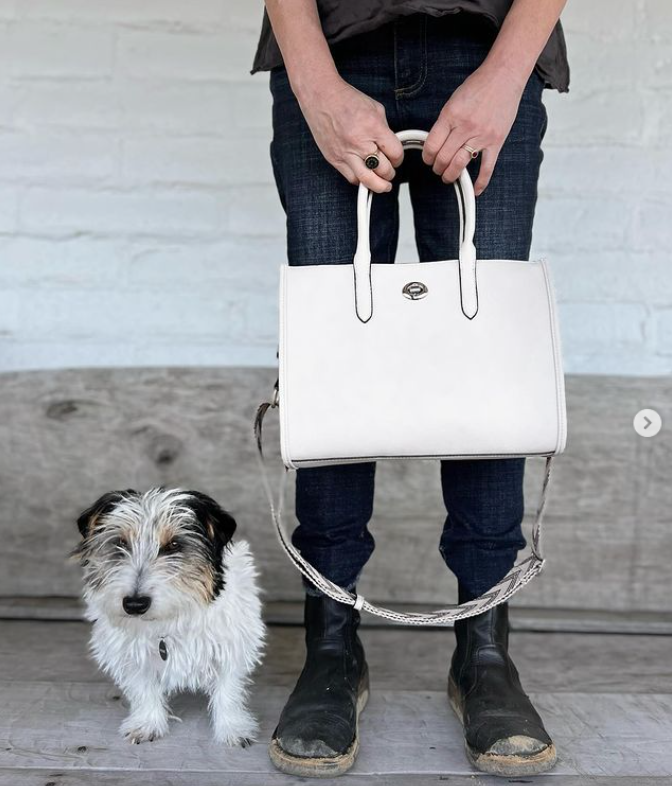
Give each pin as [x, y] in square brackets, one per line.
[175, 606]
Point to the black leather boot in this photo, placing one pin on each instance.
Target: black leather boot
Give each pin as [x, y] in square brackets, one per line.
[317, 734]
[504, 734]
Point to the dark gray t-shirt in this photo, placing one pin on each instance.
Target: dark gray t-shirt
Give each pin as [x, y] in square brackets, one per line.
[342, 19]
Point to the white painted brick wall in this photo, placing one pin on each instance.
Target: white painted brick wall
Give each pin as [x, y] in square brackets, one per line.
[139, 222]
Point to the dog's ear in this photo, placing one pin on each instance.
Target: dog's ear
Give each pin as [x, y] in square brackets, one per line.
[218, 525]
[87, 519]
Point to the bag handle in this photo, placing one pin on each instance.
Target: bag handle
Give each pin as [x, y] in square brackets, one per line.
[415, 139]
[521, 573]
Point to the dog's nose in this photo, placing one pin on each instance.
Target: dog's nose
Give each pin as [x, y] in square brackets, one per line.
[136, 604]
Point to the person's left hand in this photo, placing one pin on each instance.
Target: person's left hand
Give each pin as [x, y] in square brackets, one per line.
[480, 114]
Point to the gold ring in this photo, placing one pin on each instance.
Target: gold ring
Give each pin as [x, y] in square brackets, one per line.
[473, 153]
[372, 161]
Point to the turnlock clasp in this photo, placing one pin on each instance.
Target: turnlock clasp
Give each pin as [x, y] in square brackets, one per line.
[414, 290]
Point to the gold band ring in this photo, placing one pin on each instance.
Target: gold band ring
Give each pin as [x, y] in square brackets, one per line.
[472, 152]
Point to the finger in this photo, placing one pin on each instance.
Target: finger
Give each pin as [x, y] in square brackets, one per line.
[450, 148]
[368, 176]
[459, 162]
[384, 168]
[391, 145]
[436, 139]
[347, 173]
[488, 160]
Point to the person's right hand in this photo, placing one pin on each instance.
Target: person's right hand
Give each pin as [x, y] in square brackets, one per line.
[347, 126]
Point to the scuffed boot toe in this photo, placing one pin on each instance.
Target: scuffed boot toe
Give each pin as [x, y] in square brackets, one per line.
[331, 738]
[514, 756]
[311, 748]
[517, 746]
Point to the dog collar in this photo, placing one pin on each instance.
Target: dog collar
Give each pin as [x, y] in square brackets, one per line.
[163, 650]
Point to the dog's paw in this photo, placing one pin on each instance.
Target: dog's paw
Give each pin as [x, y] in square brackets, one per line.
[136, 732]
[137, 736]
[235, 741]
[240, 734]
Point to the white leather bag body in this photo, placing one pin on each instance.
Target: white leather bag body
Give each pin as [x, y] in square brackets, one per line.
[447, 359]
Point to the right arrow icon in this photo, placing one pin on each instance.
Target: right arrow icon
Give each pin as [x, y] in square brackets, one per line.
[647, 423]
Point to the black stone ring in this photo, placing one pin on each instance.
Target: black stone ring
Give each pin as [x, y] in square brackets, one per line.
[372, 160]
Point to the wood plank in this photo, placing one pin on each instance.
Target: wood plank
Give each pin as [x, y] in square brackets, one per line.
[73, 726]
[41, 608]
[121, 778]
[73, 434]
[543, 620]
[416, 659]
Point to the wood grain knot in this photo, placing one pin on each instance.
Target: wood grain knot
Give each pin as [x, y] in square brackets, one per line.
[62, 410]
[164, 450]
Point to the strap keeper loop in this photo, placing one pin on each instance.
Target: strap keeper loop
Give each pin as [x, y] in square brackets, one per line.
[358, 605]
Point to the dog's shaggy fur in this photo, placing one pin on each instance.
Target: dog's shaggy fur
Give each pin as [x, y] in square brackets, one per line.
[175, 606]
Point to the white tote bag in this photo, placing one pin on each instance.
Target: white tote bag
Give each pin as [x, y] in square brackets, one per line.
[450, 359]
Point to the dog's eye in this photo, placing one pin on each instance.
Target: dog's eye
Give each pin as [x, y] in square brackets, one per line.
[120, 543]
[171, 547]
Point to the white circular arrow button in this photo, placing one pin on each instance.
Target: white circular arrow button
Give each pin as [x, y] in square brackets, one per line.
[647, 423]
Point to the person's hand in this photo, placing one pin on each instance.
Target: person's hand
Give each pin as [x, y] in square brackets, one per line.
[480, 114]
[347, 126]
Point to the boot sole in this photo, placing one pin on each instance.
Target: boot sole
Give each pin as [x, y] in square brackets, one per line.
[497, 764]
[323, 767]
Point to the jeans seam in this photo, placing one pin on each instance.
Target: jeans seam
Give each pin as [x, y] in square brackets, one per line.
[411, 90]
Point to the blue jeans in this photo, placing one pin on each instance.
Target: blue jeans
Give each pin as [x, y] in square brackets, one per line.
[411, 66]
